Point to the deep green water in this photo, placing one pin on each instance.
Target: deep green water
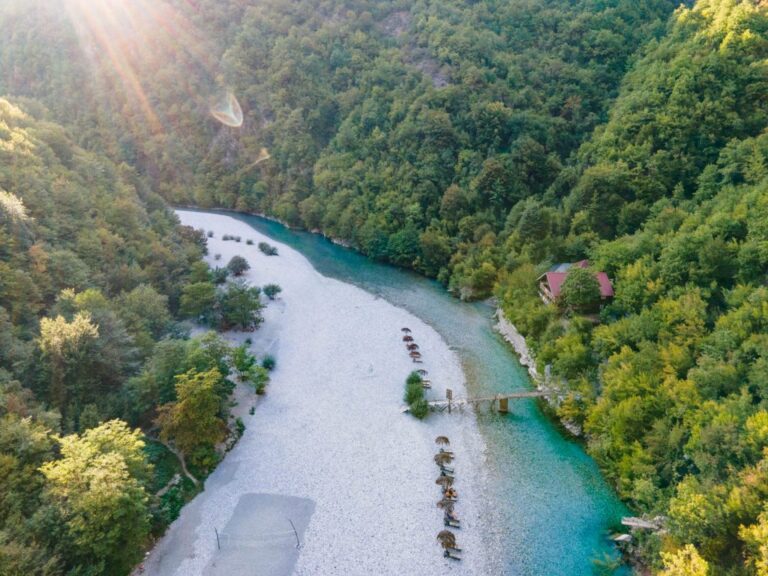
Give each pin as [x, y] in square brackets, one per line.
[555, 509]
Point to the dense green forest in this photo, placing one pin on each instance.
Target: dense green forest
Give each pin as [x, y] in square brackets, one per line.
[476, 142]
[94, 273]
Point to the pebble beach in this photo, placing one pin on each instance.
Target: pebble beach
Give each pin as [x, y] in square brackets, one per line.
[328, 447]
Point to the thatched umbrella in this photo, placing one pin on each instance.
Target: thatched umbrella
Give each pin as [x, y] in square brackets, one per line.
[442, 440]
[442, 458]
[446, 504]
[447, 539]
[445, 482]
[406, 330]
[412, 346]
[421, 372]
[415, 354]
[407, 338]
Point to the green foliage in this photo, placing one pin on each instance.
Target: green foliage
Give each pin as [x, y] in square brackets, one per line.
[197, 300]
[580, 291]
[193, 422]
[238, 265]
[271, 290]
[220, 275]
[267, 249]
[414, 395]
[474, 142]
[249, 371]
[239, 306]
[96, 490]
[268, 362]
[420, 408]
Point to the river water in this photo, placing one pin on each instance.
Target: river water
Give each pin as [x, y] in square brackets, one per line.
[553, 508]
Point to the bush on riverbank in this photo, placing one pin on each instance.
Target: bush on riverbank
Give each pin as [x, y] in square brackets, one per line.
[272, 290]
[414, 395]
[267, 249]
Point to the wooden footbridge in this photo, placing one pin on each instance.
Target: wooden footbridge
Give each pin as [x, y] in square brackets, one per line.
[498, 403]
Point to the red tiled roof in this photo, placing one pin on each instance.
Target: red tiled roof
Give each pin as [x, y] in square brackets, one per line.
[555, 282]
[606, 288]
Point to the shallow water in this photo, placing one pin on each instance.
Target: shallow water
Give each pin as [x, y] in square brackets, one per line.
[554, 509]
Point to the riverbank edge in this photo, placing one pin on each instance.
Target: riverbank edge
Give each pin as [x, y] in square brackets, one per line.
[511, 334]
[334, 240]
[548, 404]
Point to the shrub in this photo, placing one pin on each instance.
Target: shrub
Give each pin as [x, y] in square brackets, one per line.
[238, 265]
[217, 257]
[239, 426]
[239, 306]
[413, 392]
[414, 378]
[420, 409]
[414, 395]
[268, 249]
[269, 362]
[237, 238]
[226, 237]
[271, 290]
[249, 242]
[260, 381]
[210, 233]
[219, 275]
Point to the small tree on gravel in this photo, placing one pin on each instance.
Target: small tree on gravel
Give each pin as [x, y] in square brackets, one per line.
[238, 265]
[271, 290]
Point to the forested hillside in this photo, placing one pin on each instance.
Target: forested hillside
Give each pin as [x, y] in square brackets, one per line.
[408, 129]
[670, 388]
[476, 142]
[93, 271]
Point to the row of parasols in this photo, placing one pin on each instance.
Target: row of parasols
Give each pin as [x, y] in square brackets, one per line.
[445, 537]
[411, 346]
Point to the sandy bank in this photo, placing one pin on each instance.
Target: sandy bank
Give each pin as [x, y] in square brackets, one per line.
[330, 432]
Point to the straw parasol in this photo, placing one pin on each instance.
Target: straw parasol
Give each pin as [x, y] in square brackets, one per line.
[442, 458]
[447, 539]
[444, 481]
[442, 440]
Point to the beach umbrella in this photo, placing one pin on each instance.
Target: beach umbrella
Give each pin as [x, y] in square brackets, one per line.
[406, 330]
[421, 372]
[407, 338]
[442, 458]
[415, 354]
[447, 539]
[442, 440]
[444, 481]
[446, 504]
[412, 346]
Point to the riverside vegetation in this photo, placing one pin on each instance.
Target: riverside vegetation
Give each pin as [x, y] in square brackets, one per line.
[96, 370]
[477, 143]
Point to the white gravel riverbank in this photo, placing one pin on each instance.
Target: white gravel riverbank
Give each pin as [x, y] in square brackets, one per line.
[330, 430]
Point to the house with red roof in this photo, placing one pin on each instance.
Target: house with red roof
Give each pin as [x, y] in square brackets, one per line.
[551, 282]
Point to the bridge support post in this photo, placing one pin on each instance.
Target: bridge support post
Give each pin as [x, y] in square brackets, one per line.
[503, 405]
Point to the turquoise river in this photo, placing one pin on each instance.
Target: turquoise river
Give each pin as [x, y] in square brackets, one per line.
[555, 509]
